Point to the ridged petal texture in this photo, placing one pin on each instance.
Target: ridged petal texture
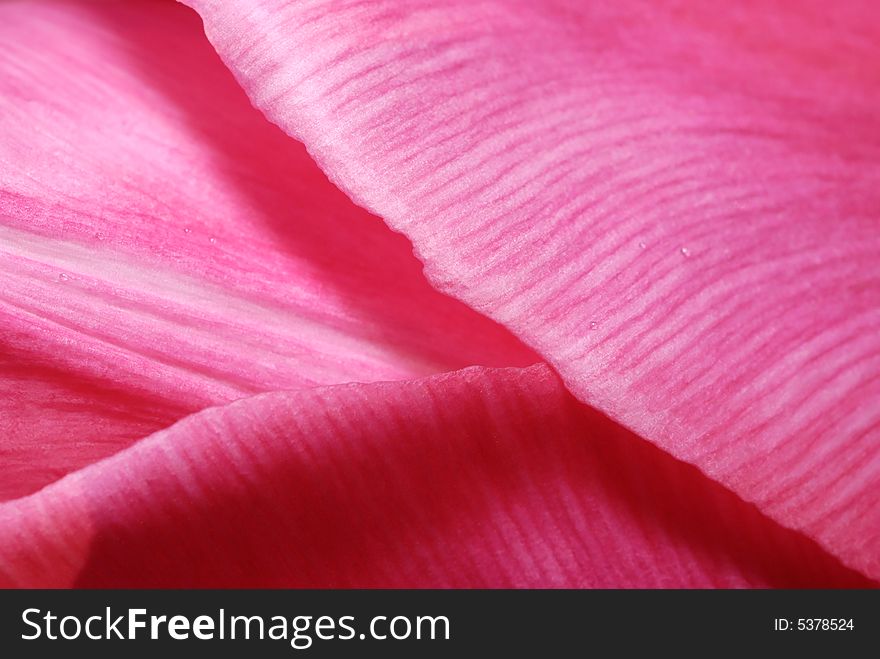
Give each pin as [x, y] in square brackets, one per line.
[675, 203]
[221, 364]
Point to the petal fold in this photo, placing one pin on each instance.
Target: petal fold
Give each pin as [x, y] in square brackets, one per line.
[676, 204]
[478, 478]
[164, 248]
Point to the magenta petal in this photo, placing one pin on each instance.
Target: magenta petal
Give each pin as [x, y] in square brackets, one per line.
[164, 248]
[476, 478]
[675, 203]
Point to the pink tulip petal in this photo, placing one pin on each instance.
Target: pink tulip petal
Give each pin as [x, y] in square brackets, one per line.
[164, 248]
[480, 477]
[676, 203]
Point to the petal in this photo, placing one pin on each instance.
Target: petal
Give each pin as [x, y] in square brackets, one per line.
[480, 477]
[675, 203]
[163, 247]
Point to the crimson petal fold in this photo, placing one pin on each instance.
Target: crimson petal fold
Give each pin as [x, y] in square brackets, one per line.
[478, 478]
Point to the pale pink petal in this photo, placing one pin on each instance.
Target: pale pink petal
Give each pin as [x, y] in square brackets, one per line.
[676, 203]
[476, 478]
[164, 248]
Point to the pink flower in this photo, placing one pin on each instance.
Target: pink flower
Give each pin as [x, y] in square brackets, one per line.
[644, 350]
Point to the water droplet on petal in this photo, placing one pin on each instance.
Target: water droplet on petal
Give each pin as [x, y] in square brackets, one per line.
[63, 277]
[212, 240]
[187, 230]
[685, 251]
[642, 244]
[593, 324]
